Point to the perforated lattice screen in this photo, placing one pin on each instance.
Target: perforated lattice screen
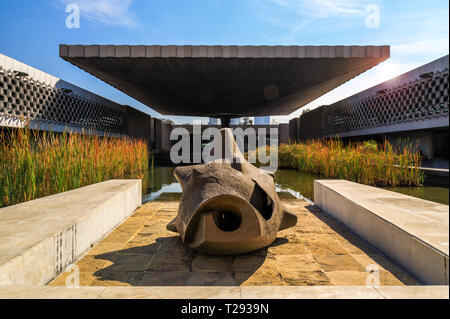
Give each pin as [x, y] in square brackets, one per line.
[24, 97]
[423, 98]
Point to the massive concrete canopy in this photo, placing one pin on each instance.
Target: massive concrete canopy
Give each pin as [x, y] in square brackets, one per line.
[220, 81]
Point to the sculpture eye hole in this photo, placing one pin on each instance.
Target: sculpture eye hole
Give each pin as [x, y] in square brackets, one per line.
[227, 221]
[262, 202]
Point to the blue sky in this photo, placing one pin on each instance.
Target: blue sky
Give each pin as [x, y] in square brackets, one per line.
[417, 31]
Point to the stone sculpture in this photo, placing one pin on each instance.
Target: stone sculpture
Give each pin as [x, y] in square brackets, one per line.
[228, 207]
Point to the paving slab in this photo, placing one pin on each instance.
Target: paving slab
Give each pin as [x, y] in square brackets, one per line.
[142, 252]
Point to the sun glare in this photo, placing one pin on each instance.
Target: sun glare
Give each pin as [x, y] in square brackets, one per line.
[388, 70]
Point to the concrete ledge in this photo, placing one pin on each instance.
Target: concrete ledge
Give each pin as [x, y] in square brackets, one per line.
[412, 231]
[250, 292]
[223, 51]
[39, 238]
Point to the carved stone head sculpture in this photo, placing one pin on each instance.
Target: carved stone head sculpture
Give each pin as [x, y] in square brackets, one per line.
[228, 207]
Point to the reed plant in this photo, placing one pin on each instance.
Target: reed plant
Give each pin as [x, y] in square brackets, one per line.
[365, 162]
[35, 164]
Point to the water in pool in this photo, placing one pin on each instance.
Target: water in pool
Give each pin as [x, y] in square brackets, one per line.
[300, 184]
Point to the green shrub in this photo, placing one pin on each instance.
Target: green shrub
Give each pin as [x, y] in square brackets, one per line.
[35, 165]
[359, 162]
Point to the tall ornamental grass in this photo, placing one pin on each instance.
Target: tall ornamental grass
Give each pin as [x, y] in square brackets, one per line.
[365, 163]
[37, 164]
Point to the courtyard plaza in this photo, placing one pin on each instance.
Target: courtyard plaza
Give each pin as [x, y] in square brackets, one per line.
[318, 251]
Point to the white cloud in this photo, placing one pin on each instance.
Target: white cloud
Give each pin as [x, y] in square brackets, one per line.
[322, 8]
[298, 14]
[109, 12]
[440, 45]
[326, 8]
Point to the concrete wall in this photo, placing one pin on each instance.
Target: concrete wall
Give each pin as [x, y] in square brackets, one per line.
[283, 133]
[40, 238]
[293, 136]
[166, 144]
[414, 101]
[422, 141]
[49, 103]
[310, 124]
[152, 133]
[412, 231]
[298, 129]
[139, 125]
[295, 130]
[157, 134]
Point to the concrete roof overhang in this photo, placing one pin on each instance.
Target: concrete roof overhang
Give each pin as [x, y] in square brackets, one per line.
[224, 80]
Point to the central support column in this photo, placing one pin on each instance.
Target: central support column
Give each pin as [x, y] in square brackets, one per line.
[225, 121]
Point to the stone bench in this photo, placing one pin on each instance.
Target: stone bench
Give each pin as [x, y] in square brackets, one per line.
[412, 231]
[40, 238]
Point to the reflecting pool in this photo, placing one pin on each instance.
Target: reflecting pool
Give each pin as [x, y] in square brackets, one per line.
[300, 184]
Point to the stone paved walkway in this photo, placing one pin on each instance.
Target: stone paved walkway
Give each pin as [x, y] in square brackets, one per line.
[318, 251]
